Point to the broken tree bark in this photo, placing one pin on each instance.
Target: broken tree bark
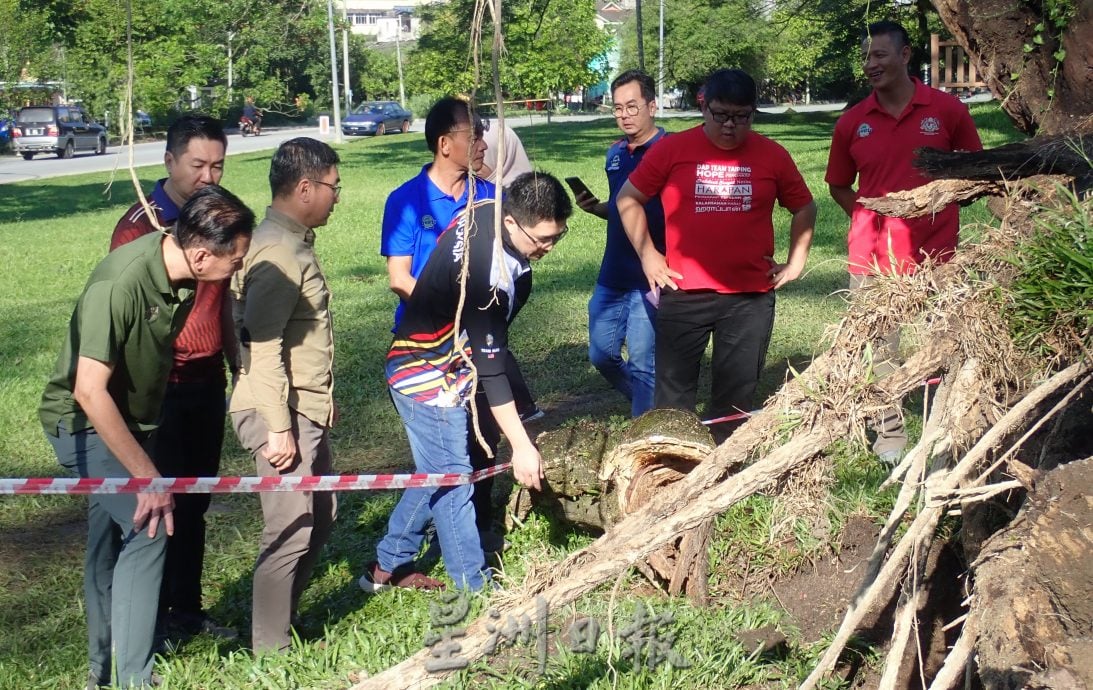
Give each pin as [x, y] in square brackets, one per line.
[591, 481]
[876, 592]
[1031, 614]
[1039, 72]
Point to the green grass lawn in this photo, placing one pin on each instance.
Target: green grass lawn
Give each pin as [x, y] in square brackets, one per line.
[54, 232]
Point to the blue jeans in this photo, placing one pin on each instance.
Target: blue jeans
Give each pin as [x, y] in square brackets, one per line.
[438, 440]
[615, 316]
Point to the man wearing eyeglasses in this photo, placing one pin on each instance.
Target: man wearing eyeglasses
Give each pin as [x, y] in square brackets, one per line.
[282, 405]
[874, 143]
[618, 311]
[444, 330]
[423, 207]
[718, 183]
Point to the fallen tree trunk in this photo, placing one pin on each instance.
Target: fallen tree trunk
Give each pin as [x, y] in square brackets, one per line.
[876, 592]
[707, 491]
[832, 399]
[684, 506]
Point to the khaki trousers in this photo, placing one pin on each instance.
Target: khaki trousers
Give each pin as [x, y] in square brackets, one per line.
[891, 435]
[297, 525]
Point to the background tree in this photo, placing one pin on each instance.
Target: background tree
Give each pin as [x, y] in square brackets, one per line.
[373, 71]
[551, 46]
[699, 37]
[278, 50]
[25, 44]
[1034, 55]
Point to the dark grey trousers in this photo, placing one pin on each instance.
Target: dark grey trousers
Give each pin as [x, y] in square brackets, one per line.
[122, 570]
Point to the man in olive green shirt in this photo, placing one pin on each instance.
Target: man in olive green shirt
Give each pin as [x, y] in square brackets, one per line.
[102, 405]
[282, 405]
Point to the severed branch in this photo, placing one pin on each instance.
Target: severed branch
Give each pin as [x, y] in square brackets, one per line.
[931, 197]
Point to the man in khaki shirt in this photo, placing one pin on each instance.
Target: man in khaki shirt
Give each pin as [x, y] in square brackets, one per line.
[282, 404]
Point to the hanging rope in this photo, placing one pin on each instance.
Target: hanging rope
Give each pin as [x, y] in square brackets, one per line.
[464, 270]
[126, 124]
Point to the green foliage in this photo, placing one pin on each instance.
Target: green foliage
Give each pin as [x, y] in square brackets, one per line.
[373, 73]
[804, 53]
[278, 50]
[699, 37]
[786, 44]
[1050, 304]
[549, 47]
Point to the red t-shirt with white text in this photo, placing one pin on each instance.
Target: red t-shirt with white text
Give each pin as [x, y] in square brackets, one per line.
[719, 205]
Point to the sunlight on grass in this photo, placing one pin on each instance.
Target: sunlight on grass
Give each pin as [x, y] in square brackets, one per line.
[56, 230]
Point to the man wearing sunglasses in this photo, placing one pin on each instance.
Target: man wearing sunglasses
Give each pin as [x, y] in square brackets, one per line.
[718, 183]
[444, 330]
[619, 310]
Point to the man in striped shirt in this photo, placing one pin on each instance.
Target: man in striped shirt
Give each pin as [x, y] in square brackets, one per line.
[430, 374]
[189, 438]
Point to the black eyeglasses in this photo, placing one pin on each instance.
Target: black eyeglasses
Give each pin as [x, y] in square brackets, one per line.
[542, 242]
[737, 118]
[336, 188]
[480, 127]
[630, 109]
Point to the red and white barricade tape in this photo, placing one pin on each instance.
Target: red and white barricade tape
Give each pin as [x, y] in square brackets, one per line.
[242, 485]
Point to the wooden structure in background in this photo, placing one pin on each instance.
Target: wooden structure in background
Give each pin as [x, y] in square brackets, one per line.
[951, 67]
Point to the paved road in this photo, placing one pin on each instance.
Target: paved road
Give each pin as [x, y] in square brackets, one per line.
[15, 169]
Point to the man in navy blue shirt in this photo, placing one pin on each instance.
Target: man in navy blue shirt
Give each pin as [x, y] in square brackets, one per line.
[620, 311]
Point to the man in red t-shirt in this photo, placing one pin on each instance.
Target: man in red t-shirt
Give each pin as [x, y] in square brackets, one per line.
[188, 440]
[874, 142]
[718, 183]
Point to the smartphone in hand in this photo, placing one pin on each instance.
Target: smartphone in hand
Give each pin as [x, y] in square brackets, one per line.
[578, 186]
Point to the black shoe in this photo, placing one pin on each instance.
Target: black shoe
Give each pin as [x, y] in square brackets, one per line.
[184, 624]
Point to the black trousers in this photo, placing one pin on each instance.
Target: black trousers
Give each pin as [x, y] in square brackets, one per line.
[187, 444]
[483, 490]
[740, 325]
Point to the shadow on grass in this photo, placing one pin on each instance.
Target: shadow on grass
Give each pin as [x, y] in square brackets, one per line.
[54, 198]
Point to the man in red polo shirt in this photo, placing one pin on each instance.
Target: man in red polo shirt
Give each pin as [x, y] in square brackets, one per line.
[874, 142]
[188, 440]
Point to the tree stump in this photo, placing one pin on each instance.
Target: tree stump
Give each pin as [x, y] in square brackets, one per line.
[1031, 614]
[592, 481]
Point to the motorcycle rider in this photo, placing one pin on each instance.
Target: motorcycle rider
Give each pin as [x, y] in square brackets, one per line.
[252, 116]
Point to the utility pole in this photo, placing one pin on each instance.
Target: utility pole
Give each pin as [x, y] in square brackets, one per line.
[660, 60]
[231, 34]
[345, 59]
[398, 58]
[641, 38]
[334, 73]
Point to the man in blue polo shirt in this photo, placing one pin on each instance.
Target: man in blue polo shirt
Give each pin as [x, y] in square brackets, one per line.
[424, 206]
[619, 310]
[414, 217]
